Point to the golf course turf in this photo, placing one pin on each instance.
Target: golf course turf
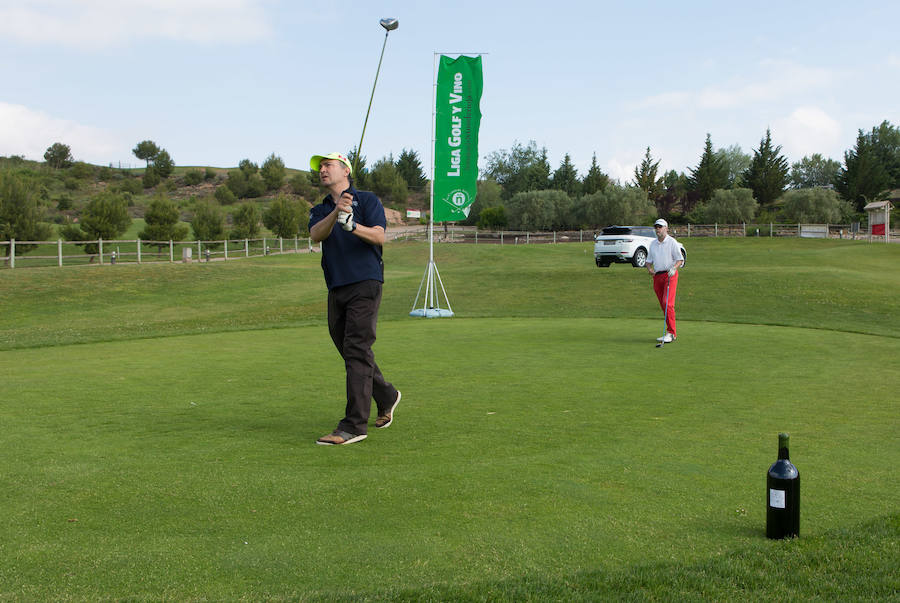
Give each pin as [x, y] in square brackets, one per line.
[159, 426]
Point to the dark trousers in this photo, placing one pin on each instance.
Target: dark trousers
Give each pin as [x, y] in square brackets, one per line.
[352, 316]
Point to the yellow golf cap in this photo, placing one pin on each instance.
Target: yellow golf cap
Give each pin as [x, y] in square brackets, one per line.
[315, 160]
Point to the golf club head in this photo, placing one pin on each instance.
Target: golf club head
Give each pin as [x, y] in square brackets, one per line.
[390, 23]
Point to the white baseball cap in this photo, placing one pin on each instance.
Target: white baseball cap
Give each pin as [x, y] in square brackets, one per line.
[661, 222]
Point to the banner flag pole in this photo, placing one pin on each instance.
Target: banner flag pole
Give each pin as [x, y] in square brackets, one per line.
[456, 119]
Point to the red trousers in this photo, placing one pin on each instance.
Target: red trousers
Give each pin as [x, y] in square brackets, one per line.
[665, 287]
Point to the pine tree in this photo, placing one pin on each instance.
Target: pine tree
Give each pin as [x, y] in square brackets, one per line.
[645, 176]
[709, 175]
[767, 175]
[595, 180]
[565, 178]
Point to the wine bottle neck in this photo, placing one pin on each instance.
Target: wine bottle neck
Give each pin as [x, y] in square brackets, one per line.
[783, 454]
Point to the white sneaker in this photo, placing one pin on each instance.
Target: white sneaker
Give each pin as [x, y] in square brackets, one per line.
[659, 339]
[667, 338]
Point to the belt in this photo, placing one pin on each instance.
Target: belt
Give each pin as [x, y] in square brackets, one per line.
[661, 271]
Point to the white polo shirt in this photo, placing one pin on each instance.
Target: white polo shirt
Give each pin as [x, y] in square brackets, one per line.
[663, 255]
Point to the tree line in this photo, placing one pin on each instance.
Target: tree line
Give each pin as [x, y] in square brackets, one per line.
[520, 190]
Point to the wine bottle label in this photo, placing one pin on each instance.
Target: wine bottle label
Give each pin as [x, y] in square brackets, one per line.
[776, 498]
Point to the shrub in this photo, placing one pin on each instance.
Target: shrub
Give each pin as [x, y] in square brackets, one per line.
[193, 177]
[210, 174]
[224, 195]
[151, 177]
[273, 172]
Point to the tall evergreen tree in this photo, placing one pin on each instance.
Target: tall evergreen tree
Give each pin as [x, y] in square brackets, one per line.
[767, 175]
[565, 178]
[709, 175]
[410, 168]
[595, 180]
[814, 170]
[863, 177]
[645, 176]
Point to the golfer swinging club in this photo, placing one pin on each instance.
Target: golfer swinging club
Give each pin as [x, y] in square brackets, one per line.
[351, 224]
[663, 261]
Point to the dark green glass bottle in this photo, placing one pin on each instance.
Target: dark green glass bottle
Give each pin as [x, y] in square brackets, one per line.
[783, 494]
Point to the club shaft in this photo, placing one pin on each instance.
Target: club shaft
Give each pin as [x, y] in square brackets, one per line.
[371, 96]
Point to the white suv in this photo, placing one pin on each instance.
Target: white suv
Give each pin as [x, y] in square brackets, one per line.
[625, 244]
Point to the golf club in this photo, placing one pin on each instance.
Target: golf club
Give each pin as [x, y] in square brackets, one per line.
[389, 24]
[665, 315]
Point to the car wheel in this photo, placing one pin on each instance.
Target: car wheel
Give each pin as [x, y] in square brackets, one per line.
[602, 264]
[640, 258]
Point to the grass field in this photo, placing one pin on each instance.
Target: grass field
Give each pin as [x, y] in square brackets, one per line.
[158, 427]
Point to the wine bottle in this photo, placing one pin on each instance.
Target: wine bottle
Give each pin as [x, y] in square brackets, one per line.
[783, 494]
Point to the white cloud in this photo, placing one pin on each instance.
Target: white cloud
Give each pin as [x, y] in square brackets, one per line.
[623, 171]
[95, 24]
[29, 133]
[808, 130]
[779, 80]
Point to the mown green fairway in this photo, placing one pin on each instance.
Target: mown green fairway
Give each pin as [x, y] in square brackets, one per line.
[544, 449]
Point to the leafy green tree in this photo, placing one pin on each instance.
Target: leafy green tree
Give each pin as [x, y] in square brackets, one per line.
[736, 162]
[224, 195]
[613, 205]
[595, 180]
[493, 218]
[731, 206]
[410, 169]
[522, 168]
[208, 222]
[565, 178]
[273, 172]
[246, 221]
[386, 182]
[162, 222]
[709, 175]
[815, 206]
[58, 155]
[248, 167]
[104, 217]
[151, 177]
[487, 195]
[535, 210]
[673, 193]
[300, 185]
[768, 172]
[163, 164]
[283, 217]
[146, 150]
[237, 183]
[645, 175]
[814, 170]
[20, 212]
[255, 186]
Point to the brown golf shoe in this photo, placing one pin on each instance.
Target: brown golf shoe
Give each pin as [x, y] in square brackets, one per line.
[388, 417]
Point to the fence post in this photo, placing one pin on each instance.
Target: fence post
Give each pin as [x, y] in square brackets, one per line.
[717, 229]
[100, 249]
[554, 240]
[265, 246]
[59, 251]
[798, 229]
[771, 230]
[528, 238]
[296, 244]
[171, 251]
[689, 230]
[501, 237]
[12, 253]
[246, 248]
[280, 245]
[226, 248]
[199, 251]
[138, 241]
[476, 235]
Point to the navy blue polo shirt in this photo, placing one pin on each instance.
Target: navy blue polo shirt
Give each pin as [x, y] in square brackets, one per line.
[347, 259]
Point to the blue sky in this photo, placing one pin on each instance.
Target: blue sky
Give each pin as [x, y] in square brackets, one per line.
[217, 81]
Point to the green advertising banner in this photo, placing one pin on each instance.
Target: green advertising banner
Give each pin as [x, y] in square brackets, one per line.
[457, 119]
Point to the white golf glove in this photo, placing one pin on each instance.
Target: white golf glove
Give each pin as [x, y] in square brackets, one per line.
[672, 271]
[345, 219]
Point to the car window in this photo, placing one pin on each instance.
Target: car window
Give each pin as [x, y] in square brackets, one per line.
[644, 231]
[617, 230]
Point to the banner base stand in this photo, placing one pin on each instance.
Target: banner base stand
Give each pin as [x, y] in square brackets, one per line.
[431, 313]
[431, 304]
